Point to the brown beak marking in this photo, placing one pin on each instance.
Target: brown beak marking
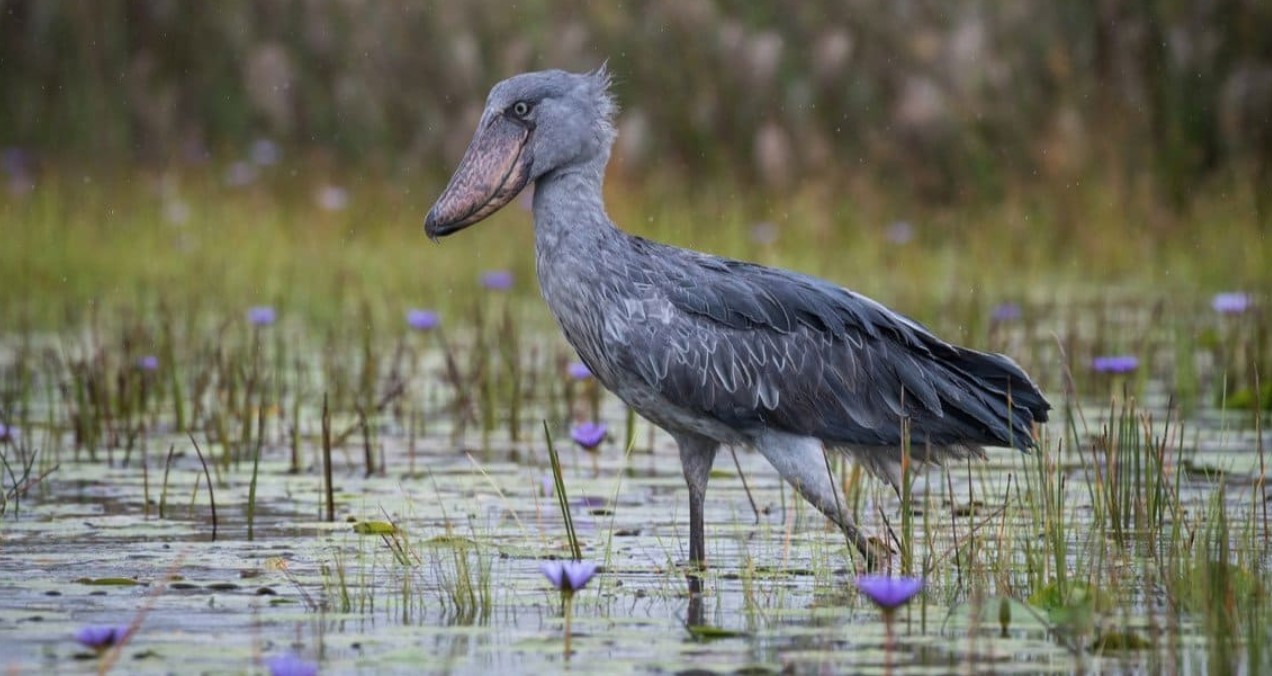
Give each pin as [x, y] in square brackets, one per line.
[494, 170]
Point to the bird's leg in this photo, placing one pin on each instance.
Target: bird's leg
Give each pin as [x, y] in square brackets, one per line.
[694, 615]
[802, 462]
[696, 456]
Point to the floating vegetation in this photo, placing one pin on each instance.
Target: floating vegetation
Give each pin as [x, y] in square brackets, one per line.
[588, 435]
[569, 577]
[369, 480]
[290, 664]
[101, 637]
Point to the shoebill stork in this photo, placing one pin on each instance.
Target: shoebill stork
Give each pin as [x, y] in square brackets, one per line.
[718, 351]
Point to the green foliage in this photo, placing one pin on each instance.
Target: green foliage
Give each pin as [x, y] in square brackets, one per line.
[374, 528]
[85, 242]
[1248, 399]
[946, 100]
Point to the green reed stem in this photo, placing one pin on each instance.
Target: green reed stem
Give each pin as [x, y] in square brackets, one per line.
[558, 479]
[907, 514]
[630, 427]
[326, 460]
[208, 477]
[256, 466]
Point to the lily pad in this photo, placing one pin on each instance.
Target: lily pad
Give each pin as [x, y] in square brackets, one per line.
[706, 632]
[1118, 641]
[109, 581]
[374, 528]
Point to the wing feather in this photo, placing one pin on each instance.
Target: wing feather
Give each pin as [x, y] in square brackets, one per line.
[754, 346]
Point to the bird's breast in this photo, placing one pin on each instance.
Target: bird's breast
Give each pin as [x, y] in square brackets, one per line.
[578, 301]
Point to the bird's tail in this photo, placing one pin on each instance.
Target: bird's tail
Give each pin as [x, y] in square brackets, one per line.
[999, 380]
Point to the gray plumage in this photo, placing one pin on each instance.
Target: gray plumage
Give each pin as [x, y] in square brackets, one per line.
[719, 351]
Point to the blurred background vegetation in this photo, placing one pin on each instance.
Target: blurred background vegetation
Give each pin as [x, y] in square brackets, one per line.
[947, 98]
[1108, 129]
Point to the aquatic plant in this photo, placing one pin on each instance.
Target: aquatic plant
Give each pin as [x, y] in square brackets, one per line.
[422, 320]
[331, 198]
[563, 500]
[1122, 363]
[14, 160]
[899, 232]
[290, 664]
[588, 435]
[1005, 312]
[240, 174]
[582, 382]
[1230, 303]
[148, 363]
[265, 152]
[889, 593]
[1124, 481]
[568, 576]
[100, 637]
[497, 280]
[261, 315]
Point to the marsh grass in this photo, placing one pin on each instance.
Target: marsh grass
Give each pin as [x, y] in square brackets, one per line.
[106, 243]
[1124, 532]
[464, 571]
[17, 476]
[383, 569]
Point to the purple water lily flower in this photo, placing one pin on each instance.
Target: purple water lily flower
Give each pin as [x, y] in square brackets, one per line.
[16, 165]
[176, 211]
[1230, 303]
[265, 152]
[194, 152]
[148, 363]
[578, 370]
[889, 593]
[240, 174]
[497, 280]
[568, 576]
[1006, 312]
[1120, 363]
[101, 637]
[290, 664]
[21, 184]
[899, 232]
[261, 315]
[14, 161]
[332, 198]
[590, 502]
[589, 435]
[422, 320]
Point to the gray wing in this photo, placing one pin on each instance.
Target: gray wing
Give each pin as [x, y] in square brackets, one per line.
[753, 346]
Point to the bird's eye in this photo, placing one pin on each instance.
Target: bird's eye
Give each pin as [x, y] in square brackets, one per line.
[521, 109]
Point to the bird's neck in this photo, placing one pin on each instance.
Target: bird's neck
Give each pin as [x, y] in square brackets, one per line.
[569, 208]
[577, 250]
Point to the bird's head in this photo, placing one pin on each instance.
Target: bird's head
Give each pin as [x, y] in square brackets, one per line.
[533, 124]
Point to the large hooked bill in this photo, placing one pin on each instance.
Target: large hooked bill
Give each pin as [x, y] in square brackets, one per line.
[494, 170]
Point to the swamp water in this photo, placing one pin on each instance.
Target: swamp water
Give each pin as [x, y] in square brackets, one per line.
[1079, 558]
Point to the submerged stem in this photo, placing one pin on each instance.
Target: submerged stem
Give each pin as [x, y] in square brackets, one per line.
[567, 606]
[887, 642]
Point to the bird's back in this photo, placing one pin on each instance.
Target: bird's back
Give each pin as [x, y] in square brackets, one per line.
[689, 338]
